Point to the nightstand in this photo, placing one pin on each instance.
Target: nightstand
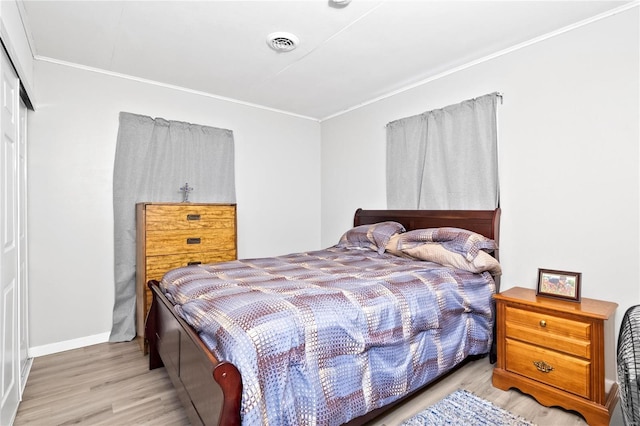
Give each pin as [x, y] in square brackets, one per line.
[557, 351]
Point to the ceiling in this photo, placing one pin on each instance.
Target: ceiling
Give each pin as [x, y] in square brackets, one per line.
[347, 55]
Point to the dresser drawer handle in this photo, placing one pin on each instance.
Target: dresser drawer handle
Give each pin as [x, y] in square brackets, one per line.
[193, 217]
[193, 240]
[195, 262]
[543, 323]
[542, 366]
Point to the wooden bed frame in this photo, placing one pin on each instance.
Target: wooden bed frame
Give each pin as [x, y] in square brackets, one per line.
[211, 390]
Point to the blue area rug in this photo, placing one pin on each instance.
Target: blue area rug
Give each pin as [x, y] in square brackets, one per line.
[464, 408]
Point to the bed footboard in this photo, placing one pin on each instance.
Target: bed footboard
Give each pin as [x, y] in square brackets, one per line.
[210, 390]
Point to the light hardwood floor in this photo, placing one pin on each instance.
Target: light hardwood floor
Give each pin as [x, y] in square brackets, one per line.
[110, 384]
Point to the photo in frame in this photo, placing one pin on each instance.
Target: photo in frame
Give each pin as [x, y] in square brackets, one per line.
[559, 284]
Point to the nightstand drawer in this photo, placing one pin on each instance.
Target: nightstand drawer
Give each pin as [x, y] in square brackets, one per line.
[551, 324]
[544, 329]
[547, 338]
[566, 372]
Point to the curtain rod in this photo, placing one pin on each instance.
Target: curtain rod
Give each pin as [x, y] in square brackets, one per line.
[498, 95]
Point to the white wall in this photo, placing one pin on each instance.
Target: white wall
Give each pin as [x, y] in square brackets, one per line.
[569, 157]
[72, 139]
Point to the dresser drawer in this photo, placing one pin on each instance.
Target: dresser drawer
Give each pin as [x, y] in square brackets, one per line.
[568, 373]
[157, 266]
[189, 241]
[167, 217]
[572, 337]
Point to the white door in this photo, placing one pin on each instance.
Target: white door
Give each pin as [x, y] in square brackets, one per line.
[9, 352]
[23, 317]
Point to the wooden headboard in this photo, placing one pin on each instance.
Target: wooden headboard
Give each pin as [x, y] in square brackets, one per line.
[484, 222]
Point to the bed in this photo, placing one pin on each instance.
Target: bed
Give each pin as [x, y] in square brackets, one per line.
[351, 364]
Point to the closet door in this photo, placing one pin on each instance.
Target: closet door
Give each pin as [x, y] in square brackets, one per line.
[23, 291]
[9, 251]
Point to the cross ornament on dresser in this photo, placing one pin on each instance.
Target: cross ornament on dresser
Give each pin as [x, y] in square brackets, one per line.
[186, 189]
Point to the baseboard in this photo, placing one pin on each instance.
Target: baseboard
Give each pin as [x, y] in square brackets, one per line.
[67, 345]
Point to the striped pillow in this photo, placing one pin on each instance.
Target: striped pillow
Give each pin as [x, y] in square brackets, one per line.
[374, 236]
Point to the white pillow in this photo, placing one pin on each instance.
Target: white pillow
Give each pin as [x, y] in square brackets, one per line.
[435, 252]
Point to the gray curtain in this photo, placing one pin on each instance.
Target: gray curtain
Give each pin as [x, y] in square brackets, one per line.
[445, 159]
[154, 158]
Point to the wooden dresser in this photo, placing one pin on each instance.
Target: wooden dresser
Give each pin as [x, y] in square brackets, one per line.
[557, 351]
[170, 235]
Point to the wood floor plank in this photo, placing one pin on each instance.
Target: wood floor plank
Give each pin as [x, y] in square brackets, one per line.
[110, 384]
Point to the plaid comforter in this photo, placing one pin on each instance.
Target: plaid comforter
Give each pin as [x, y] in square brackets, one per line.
[325, 336]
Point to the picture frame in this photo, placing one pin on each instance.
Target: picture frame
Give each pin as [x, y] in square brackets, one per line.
[559, 284]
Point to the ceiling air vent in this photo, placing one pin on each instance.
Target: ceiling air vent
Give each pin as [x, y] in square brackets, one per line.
[282, 42]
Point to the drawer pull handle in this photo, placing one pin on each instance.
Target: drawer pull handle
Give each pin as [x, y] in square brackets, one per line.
[196, 262]
[193, 240]
[543, 323]
[542, 366]
[193, 217]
